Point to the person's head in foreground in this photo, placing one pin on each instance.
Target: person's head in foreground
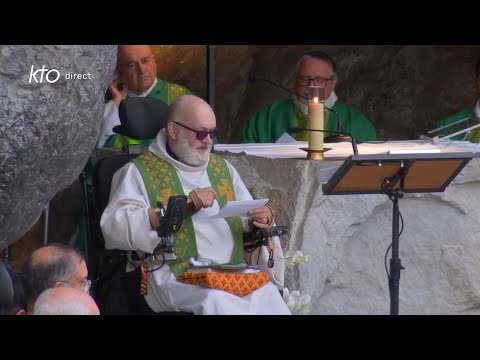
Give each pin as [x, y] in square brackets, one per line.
[65, 300]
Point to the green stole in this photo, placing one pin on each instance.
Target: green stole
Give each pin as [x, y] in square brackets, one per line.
[301, 120]
[161, 181]
[165, 91]
[474, 135]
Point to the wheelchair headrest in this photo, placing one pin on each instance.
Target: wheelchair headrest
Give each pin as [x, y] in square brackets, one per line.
[6, 287]
[141, 117]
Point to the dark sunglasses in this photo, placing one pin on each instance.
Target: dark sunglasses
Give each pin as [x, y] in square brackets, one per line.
[202, 134]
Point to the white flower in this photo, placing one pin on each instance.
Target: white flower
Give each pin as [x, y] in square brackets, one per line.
[294, 256]
[298, 304]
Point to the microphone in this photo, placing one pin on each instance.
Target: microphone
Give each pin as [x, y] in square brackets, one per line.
[296, 129]
[335, 138]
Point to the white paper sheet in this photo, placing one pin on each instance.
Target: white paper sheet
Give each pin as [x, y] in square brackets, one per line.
[239, 208]
[285, 139]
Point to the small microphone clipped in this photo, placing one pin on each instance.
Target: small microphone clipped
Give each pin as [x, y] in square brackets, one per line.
[296, 129]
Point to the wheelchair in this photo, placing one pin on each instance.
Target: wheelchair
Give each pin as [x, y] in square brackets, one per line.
[115, 290]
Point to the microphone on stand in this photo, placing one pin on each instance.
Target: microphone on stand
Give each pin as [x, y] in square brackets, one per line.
[296, 129]
[340, 134]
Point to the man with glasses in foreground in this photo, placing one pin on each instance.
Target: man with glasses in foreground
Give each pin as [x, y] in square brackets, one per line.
[314, 68]
[180, 162]
[54, 265]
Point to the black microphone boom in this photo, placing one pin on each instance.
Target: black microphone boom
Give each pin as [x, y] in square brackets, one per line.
[252, 78]
[334, 138]
[296, 129]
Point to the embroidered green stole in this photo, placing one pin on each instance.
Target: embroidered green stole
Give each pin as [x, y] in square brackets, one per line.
[301, 120]
[162, 182]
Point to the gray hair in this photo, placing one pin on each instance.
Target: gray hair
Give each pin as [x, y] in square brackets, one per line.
[319, 55]
[47, 304]
[42, 275]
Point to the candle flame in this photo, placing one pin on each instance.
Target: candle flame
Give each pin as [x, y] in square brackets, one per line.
[315, 100]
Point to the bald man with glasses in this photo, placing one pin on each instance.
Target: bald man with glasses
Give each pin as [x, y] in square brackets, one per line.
[180, 162]
[314, 68]
[54, 265]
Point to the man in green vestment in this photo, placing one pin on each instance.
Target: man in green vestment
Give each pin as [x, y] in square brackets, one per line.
[135, 76]
[470, 113]
[315, 68]
[180, 162]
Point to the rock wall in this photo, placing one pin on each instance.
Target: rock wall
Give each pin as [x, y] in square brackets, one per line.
[49, 124]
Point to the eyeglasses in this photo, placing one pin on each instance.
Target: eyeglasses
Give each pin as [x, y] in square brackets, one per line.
[202, 134]
[317, 81]
[85, 283]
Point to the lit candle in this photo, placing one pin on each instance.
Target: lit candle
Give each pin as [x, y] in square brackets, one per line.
[315, 121]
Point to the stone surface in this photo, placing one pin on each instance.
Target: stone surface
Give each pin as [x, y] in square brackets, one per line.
[47, 129]
[347, 237]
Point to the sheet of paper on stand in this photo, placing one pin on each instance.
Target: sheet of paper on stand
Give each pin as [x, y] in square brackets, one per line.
[344, 149]
[413, 151]
[239, 208]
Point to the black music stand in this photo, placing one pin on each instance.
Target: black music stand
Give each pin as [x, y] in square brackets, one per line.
[395, 175]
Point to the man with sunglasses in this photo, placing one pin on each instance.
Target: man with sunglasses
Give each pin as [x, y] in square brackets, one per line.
[314, 68]
[180, 162]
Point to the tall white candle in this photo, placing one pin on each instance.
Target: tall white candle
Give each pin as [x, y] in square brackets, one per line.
[315, 121]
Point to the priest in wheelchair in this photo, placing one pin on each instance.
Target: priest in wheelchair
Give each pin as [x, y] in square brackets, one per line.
[188, 259]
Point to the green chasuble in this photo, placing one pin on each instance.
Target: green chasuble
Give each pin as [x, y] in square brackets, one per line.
[269, 123]
[474, 135]
[162, 182]
[165, 91]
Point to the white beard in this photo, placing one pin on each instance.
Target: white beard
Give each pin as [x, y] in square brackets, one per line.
[190, 156]
[302, 103]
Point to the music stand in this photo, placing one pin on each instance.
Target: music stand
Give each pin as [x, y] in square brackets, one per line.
[395, 175]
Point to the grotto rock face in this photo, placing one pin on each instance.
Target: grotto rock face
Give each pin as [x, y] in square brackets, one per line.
[51, 109]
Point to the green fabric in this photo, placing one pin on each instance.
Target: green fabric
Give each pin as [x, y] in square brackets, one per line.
[462, 114]
[165, 91]
[162, 182]
[269, 123]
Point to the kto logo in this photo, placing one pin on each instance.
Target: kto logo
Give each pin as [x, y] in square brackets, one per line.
[51, 75]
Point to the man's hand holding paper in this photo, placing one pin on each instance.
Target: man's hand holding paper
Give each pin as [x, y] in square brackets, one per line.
[262, 217]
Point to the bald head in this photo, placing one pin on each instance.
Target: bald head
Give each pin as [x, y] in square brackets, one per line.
[65, 301]
[192, 110]
[53, 251]
[136, 67]
[190, 116]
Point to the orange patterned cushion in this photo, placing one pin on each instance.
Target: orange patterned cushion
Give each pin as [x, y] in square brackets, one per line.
[235, 283]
